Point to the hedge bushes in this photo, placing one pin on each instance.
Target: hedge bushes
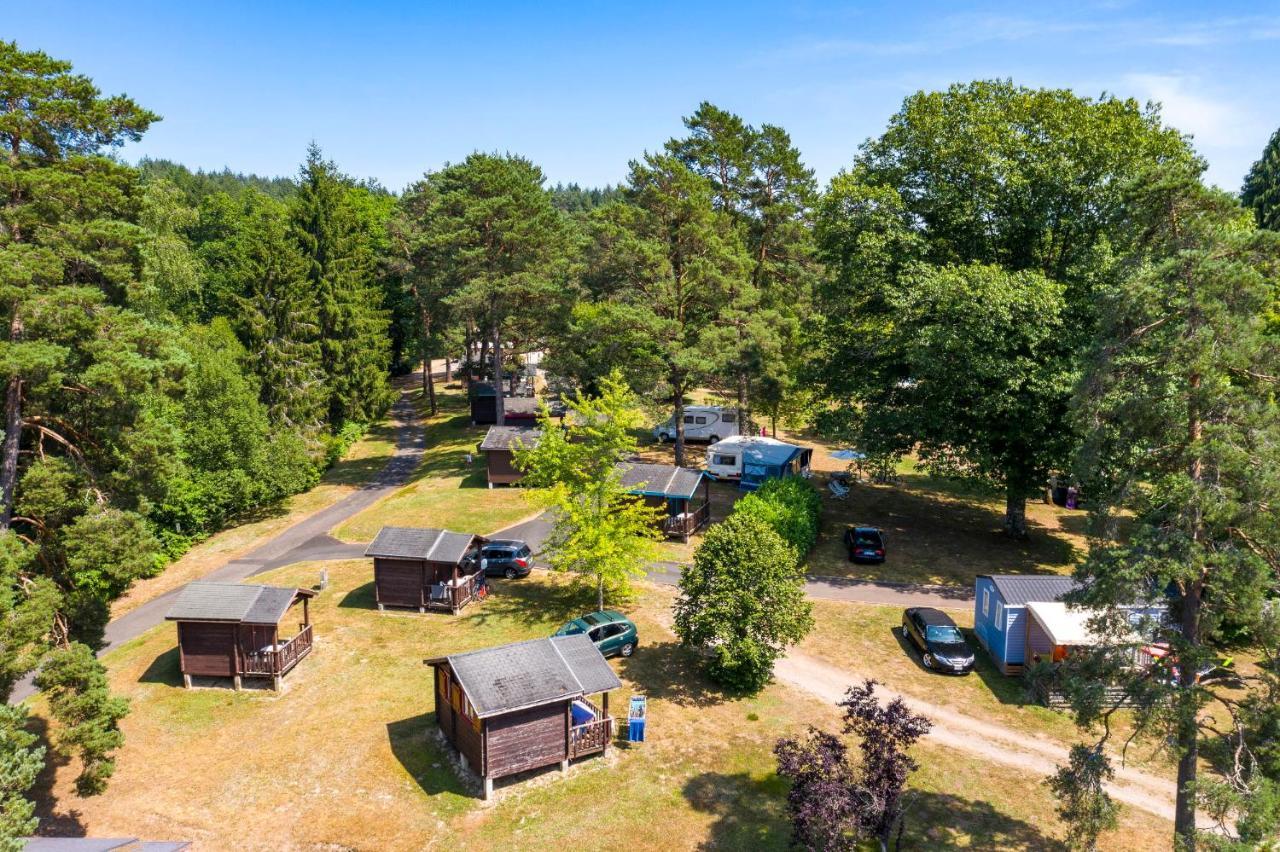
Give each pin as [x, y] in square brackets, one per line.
[792, 506]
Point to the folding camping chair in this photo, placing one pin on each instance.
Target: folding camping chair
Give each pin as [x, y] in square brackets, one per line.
[838, 489]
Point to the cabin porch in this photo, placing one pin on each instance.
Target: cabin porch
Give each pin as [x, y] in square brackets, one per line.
[593, 735]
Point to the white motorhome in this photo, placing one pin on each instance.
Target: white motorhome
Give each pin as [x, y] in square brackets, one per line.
[701, 423]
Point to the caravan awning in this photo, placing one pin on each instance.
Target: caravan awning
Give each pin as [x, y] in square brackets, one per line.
[1064, 626]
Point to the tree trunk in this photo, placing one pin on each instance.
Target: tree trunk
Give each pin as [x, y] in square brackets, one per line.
[12, 439]
[12, 432]
[499, 406]
[1015, 511]
[448, 369]
[483, 360]
[742, 405]
[600, 592]
[679, 418]
[1188, 734]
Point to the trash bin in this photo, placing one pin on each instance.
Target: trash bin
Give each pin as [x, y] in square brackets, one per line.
[636, 718]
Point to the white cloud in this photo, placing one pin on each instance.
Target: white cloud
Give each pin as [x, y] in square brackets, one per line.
[1211, 120]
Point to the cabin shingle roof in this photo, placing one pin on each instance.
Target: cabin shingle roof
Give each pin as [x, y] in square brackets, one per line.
[431, 545]
[201, 601]
[504, 437]
[1021, 589]
[665, 479]
[531, 673]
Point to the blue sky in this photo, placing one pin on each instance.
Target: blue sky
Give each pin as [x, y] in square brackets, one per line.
[392, 89]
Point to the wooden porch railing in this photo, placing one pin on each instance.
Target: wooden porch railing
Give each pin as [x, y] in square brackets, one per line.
[282, 658]
[685, 525]
[456, 597]
[590, 737]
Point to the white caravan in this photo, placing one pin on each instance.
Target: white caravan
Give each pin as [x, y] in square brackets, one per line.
[701, 423]
[724, 459]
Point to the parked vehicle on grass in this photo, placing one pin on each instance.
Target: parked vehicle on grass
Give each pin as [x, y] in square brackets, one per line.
[752, 459]
[865, 544]
[612, 632]
[709, 423]
[940, 643]
[509, 558]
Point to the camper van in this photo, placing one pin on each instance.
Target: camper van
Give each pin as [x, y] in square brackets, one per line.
[757, 458]
[701, 423]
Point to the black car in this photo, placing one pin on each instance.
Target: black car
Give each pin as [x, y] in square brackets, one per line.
[940, 643]
[508, 558]
[865, 544]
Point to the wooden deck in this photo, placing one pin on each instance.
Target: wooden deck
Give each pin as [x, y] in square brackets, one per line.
[590, 737]
[684, 525]
[456, 597]
[279, 661]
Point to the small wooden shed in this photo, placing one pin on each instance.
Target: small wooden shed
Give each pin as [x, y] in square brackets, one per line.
[233, 630]
[1000, 612]
[498, 447]
[676, 489]
[524, 706]
[425, 568]
[515, 409]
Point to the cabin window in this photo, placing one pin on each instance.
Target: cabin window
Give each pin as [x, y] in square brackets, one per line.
[1000, 615]
[986, 602]
[442, 683]
[728, 461]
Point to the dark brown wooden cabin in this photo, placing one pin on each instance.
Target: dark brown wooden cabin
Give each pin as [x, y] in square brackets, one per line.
[484, 406]
[676, 490]
[425, 568]
[524, 706]
[233, 630]
[498, 447]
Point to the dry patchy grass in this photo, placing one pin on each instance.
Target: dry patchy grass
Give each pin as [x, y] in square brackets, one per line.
[344, 757]
[445, 491]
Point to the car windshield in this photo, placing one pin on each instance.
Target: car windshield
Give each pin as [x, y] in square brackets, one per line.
[944, 633]
[524, 551]
[571, 629]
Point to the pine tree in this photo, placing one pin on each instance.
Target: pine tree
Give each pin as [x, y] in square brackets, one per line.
[352, 327]
[1261, 192]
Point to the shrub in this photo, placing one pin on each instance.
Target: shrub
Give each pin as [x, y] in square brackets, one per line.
[791, 506]
[742, 602]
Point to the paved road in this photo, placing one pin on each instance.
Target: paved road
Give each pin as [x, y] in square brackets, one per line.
[535, 531]
[306, 540]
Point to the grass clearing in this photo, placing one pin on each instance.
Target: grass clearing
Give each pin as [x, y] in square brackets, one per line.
[445, 491]
[344, 758]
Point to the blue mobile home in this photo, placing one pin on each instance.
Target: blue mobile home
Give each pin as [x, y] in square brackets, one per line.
[1004, 624]
[1000, 612]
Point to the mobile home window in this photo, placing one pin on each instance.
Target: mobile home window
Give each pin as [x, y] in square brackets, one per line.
[729, 417]
[701, 421]
[725, 460]
[688, 419]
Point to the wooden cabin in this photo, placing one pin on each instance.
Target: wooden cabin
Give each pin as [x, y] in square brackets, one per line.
[498, 447]
[683, 492]
[524, 706]
[1000, 612]
[484, 406]
[233, 630]
[425, 568]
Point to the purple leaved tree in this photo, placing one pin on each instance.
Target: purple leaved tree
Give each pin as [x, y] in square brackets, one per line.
[834, 804]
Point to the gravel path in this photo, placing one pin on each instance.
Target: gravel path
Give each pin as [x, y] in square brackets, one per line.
[996, 743]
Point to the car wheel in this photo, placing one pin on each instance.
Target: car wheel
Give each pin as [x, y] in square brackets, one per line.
[510, 573]
[715, 439]
[927, 659]
[663, 437]
[628, 649]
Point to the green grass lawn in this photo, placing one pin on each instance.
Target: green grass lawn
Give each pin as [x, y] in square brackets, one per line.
[344, 757]
[445, 491]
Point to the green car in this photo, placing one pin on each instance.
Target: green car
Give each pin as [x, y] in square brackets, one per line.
[612, 632]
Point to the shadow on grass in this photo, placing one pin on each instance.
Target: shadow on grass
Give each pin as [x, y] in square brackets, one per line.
[669, 672]
[361, 597]
[164, 669]
[422, 758]
[750, 812]
[946, 821]
[1008, 689]
[54, 821]
[532, 604]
